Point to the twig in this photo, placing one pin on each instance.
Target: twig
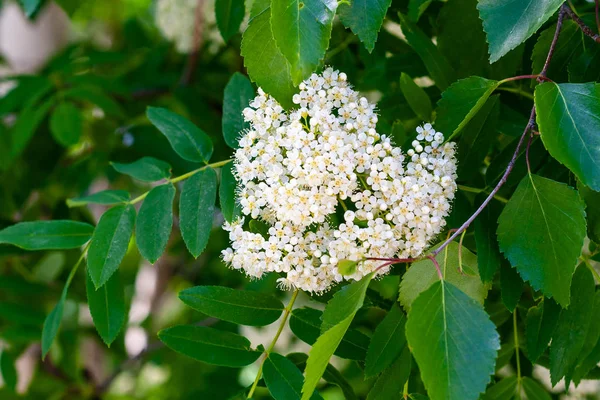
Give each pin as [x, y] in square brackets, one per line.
[527, 151]
[561, 17]
[188, 72]
[565, 9]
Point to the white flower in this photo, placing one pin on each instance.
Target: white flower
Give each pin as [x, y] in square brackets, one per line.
[331, 188]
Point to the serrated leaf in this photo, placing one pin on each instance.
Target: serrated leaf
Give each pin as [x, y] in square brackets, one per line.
[589, 356]
[364, 24]
[570, 43]
[488, 253]
[592, 211]
[345, 302]
[154, 222]
[47, 235]
[229, 15]
[586, 66]
[283, 378]
[438, 67]
[237, 306]
[105, 197]
[387, 342]
[568, 116]
[533, 390]
[541, 231]
[230, 206]
[540, 324]
[302, 30]
[265, 63]
[146, 169]
[505, 389]
[508, 24]
[453, 341]
[107, 306]
[189, 141]
[337, 317]
[461, 102]
[209, 345]
[196, 209]
[573, 324]
[422, 274]
[66, 123]
[417, 98]
[392, 380]
[305, 323]
[237, 96]
[109, 243]
[511, 286]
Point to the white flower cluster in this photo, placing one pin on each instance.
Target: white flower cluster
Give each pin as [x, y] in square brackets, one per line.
[176, 20]
[331, 188]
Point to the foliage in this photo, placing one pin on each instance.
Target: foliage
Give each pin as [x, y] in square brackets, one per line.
[118, 160]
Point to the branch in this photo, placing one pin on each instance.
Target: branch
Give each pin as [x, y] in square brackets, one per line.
[584, 28]
[188, 72]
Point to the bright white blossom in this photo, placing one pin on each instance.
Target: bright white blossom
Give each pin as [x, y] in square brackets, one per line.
[329, 187]
[176, 20]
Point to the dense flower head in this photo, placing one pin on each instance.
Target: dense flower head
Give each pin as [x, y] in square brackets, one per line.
[327, 187]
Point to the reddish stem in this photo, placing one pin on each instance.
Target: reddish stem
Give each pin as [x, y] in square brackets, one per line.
[437, 266]
[565, 9]
[520, 77]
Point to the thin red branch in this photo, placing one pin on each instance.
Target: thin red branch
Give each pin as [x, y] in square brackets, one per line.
[527, 151]
[188, 73]
[437, 267]
[561, 17]
[519, 77]
[565, 9]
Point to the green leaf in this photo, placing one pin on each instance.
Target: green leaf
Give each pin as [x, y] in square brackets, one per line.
[387, 342]
[109, 243]
[237, 306]
[27, 123]
[8, 372]
[302, 30]
[508, 24]
[438, 67]
[570, 43]
[392, 380]
[511, 286]
[230, 206]
[417, 98]
[568, 116]
[345, 302]
[189, 141]
[305, 323]
[347, 267]
[66, 123]
[589, 356]
[505, 389]
[592, 211]
[105, 197]
[541, 231]
[533, 390]
[209, 345]
[338, 315]
[573, 324]
[283, 378]
[476, 140]
[155, 221]
[107, 306]
[453, 341]
[265, 63]
[237, 96]
[416, 8]
[196, 209]
[230, 14]
[540, 324]
[586, 66]
[47, 235]
[146, 169]
[31, 7]
[364, 18]
[422, 274]
[461, 102]
[488, 253]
